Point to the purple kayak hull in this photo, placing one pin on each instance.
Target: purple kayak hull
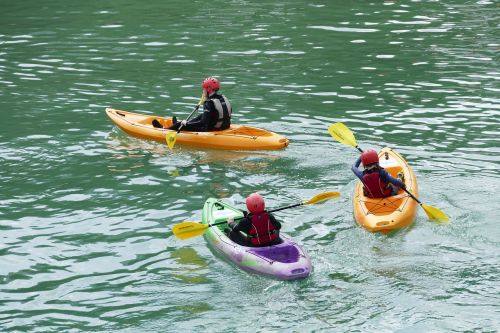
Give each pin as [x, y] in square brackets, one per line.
[284, 261]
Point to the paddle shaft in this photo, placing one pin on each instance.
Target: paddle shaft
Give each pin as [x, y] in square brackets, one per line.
[411, 195]
[282, 208]
[195, 109]
[271, 211]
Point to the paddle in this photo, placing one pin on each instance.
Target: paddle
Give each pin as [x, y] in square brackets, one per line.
[171, 137]
[188, 229]
[343, 134]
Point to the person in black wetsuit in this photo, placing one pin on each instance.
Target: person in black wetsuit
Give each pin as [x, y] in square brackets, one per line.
[259, 227]
[216, 114]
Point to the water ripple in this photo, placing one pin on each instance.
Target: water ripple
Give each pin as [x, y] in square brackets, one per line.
[86, 211]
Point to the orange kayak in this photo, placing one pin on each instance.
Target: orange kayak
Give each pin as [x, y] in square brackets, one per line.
[394, 212]
[237, 137]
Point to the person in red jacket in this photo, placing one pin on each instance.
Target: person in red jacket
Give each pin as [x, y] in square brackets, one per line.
[258, 227]
[378, 183]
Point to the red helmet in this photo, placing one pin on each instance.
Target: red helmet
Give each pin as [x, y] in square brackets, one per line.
[255, 203]
[210, 84]
[369, 156]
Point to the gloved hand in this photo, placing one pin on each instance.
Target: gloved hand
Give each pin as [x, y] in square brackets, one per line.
[231, 223]
[184, 122]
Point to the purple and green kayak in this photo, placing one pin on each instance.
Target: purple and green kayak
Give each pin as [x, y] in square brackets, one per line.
[284, 261]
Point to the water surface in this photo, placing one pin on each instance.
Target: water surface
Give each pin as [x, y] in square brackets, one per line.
[86, 211]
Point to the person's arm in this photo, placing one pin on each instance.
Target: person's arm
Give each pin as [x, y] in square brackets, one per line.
[202, 122]
[355, 169]
[274, 222]
[199, 123]
[244, 225]
[390, 179]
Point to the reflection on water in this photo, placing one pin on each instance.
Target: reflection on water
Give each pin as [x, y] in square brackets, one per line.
[190, 267]
[186, 256]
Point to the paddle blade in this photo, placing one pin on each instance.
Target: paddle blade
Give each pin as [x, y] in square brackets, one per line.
[434, 213]
[185, 230]
[322, 197]
[342, 134]
[171, 137]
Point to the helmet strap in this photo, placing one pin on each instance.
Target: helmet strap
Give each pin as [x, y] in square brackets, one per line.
[371, 166]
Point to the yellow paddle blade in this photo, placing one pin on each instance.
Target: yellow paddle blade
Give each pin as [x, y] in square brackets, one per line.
[185, 230]
[342, 134]
[322, 197]
[171, 137]
[435, 213]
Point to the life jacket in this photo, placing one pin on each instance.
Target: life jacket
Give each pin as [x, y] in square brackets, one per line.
[224, 111]
[262, 230]
[374, 186]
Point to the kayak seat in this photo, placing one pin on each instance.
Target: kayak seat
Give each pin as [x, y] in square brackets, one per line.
[397, 172]
[394, 170]
[284, 254]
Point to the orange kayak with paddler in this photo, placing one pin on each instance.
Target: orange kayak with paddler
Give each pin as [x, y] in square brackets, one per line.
[237, 137]
[390, 213]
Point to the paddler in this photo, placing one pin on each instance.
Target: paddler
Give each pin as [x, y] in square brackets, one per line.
[216, 114]
[258, 227]
[378, 183]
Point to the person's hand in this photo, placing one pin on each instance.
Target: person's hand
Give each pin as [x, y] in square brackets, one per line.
[230, 223]
[404, 186]
[184, 122]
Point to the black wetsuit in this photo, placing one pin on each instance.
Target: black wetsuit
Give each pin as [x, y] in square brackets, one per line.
[216, 116]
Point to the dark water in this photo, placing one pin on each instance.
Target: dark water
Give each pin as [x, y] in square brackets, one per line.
[86, 211]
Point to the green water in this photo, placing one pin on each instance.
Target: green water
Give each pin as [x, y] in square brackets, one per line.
[86, 211]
